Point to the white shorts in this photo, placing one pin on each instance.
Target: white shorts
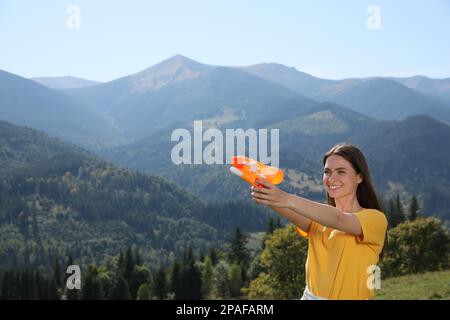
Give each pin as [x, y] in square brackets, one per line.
[309, 296]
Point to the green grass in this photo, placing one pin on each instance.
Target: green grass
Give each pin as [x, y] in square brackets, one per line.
[426, 286]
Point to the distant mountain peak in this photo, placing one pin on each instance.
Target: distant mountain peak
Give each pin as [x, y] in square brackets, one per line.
[420, 77]
[272, 67]
[289, 77]
[179, 58]
[423, 120]
[174, 69]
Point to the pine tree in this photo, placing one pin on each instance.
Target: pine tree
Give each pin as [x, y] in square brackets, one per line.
[26, 255]
[270, 226]
[222, 280]
[214, 256]
[235, 281]
[121, 266]
[239, 253]
[175, 281]
[137, 257]
[160, 284]
[278, 224]
[188, 255]
[195, 282]
[27, 285]
[57, 273]
[44, 289]
[413, 210]
[120, 290]
[14, 285]
[22, 285]
[255, 267]
[91, 288]
[38, 284]
[35, 227]
[390, 213]
[129, 264]
[395, 213]
[399, 207]
[5, 286]
[208, 279]
[53, 293]
[23, 224]
[191, 279]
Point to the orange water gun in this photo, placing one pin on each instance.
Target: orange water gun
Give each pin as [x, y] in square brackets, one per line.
[250, 170]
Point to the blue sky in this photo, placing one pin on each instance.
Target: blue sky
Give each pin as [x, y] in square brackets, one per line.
[328, 39]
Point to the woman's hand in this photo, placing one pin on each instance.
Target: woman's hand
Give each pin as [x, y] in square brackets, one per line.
[270, 195]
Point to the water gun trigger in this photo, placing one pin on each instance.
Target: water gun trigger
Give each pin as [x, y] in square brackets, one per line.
[258, 185]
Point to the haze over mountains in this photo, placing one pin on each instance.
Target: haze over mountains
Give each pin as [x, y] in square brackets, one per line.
[382, 98]
[28, 103]
[433, 87]
[67, 82]
[401, 123]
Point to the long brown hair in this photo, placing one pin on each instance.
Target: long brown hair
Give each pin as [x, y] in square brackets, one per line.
[365, 192]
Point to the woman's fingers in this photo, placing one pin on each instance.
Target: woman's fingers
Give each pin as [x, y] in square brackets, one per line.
[264, 183]
[268, 194]
[263, 194]
[261, 200]
[265, 202]
[258, 195]
[262, 190]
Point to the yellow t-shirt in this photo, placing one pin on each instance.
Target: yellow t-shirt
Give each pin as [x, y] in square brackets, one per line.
[338, 263]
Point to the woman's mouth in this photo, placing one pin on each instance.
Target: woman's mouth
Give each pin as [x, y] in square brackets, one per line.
[334, 187]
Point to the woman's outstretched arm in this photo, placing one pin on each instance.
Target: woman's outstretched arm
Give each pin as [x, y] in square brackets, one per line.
[297, 219]
[324, 214]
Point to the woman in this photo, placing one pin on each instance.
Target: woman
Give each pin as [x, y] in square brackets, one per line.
[345, 237]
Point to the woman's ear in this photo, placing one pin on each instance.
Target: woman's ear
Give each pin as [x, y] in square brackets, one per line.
[359, 178]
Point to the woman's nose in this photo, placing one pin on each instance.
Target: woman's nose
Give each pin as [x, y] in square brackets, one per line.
[330, 178]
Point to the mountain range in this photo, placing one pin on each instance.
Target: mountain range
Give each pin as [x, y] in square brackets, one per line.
[401, 123]
[27, 103]
[381, 98]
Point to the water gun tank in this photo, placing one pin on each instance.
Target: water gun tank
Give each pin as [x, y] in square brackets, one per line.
[250, 170]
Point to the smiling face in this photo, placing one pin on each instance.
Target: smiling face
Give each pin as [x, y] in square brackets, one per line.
[339, 177]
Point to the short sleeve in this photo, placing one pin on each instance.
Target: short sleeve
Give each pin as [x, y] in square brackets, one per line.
[303, 233]
[373, 226]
